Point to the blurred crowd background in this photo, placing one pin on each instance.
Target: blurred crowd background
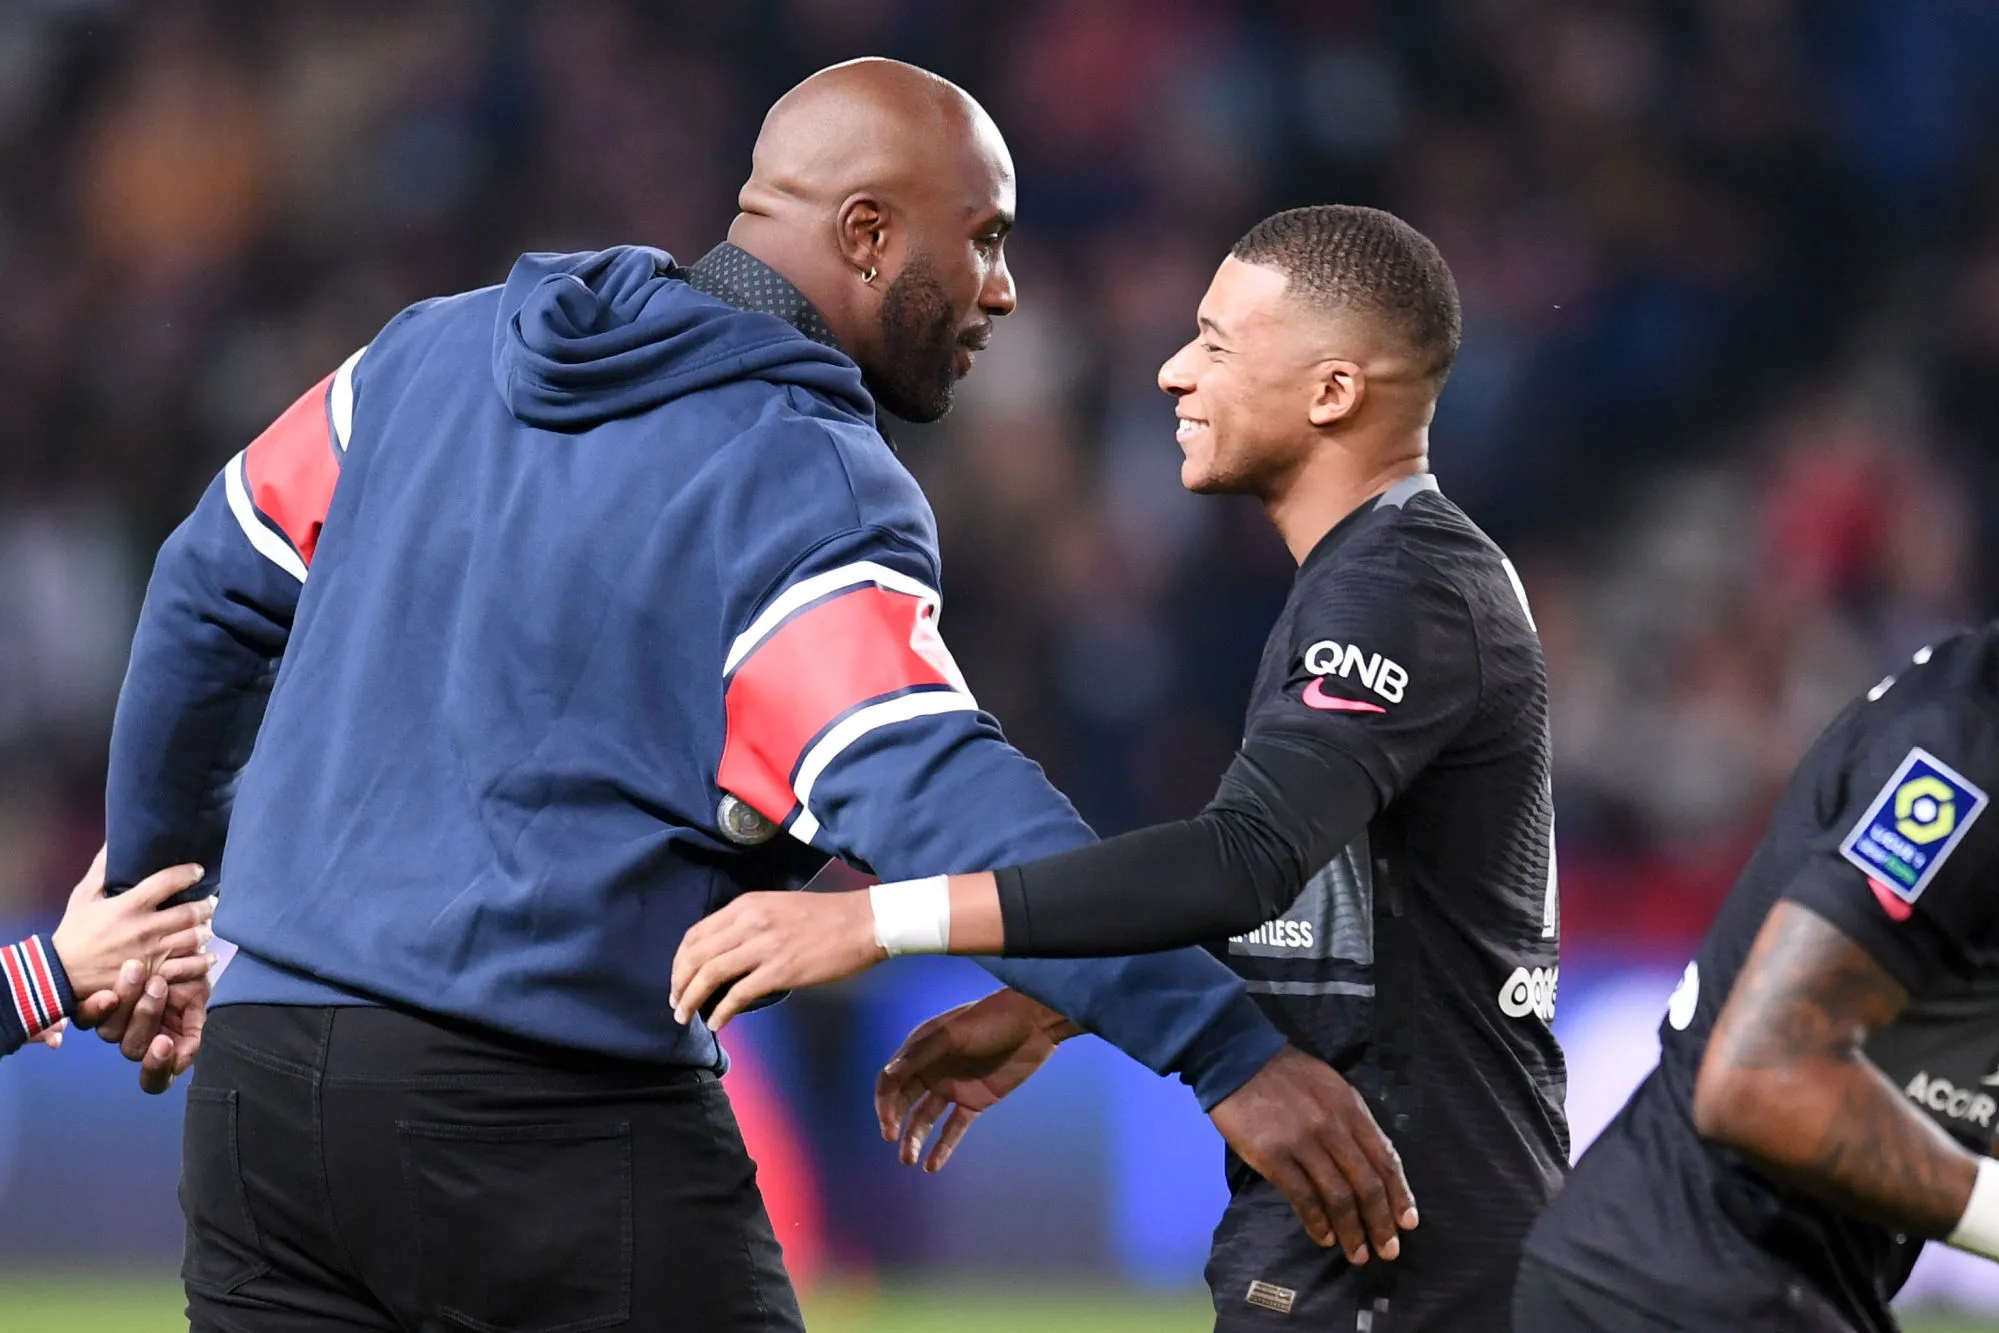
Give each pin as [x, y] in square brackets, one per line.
[1729, 391]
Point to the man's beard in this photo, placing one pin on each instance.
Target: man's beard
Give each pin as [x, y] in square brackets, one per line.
[919, 372]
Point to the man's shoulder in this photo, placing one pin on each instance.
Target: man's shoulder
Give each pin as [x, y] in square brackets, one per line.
[798, 467]
[1430, 530]
[1408, 528]
[1416, 543]
[1432, 539]
[420, 325]
[1944, 702]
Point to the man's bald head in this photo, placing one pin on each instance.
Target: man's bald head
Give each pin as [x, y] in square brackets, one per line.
[884, 193]
[866, 125]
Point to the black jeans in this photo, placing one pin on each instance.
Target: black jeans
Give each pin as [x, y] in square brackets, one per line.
[373, 1169]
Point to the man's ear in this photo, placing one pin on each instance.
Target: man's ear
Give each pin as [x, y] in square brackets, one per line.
[1337, 390]
[863, 224]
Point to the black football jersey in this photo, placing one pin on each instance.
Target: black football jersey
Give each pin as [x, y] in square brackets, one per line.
[1883, 831]
[1422, 960]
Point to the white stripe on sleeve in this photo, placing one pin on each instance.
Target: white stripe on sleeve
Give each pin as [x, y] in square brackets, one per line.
[1520, 591]
[271, 546]
[37, 1016]
[902, 708]
[811, 590]
[340, 400]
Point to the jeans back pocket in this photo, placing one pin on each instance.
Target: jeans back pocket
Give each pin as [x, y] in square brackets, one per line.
[521, 1228]
[223, 1250]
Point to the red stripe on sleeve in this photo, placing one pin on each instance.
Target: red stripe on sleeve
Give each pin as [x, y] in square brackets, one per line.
[825, 660]
[291, 469]
[45, 983]
[17, 982]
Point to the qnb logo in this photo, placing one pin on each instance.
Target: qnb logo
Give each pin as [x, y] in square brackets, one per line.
[1386, 678]
[1947, 1099]
[1279, 935]
[1530, 990]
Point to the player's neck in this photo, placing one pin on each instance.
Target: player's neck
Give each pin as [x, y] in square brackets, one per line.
[1332, 483]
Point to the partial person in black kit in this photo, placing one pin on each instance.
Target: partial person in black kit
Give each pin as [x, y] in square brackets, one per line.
[1828, 1082]
[1378, 861]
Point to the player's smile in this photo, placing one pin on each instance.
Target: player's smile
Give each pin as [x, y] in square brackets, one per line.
[1188, 428]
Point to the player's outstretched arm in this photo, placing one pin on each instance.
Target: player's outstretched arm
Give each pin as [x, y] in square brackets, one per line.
[887, 761]
[1786, 1084]
[1284, 809]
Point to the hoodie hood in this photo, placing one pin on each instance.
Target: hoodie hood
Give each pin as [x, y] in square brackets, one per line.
[585, 338]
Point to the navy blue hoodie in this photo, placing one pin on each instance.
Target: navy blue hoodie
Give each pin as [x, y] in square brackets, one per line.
[462, 655]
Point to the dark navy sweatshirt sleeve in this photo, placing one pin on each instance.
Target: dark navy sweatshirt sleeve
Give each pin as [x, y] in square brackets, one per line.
[37, 992]
[849, 722]
[217, 614]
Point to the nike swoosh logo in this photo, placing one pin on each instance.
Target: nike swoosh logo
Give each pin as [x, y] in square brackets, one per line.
[1316, 698]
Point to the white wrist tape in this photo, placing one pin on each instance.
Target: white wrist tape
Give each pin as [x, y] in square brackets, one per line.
[1978, 1229]
[913, 915]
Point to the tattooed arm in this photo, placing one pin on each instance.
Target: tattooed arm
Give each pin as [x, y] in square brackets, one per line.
[1785, 1083]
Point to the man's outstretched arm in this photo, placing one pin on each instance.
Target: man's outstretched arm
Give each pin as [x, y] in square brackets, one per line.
[850, 725]
[1286, 806]
[1785, 1083]
[1324, 755]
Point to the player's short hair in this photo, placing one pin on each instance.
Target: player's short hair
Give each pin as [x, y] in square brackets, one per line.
[1369, 262]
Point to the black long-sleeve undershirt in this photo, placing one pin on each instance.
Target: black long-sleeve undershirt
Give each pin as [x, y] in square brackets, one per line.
[1286, 806]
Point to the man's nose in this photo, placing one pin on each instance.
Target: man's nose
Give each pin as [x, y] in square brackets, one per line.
[998, 296]
[1176, 376]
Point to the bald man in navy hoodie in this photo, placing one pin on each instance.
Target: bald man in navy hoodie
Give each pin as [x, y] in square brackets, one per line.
[558, 615]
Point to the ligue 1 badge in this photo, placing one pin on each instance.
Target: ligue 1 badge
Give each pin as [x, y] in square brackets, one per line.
[1912, 827]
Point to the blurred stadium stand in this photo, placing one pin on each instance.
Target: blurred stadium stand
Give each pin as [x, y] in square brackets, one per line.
[1729, 394]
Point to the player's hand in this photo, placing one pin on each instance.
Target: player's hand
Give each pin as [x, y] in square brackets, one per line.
[960, 1063]
[767, 942]
[99, 933]
[1304, 1129]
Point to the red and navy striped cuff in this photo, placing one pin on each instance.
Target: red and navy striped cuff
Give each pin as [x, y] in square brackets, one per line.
[38, 992]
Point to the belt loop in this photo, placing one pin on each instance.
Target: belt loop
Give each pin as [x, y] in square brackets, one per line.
[325, 1046]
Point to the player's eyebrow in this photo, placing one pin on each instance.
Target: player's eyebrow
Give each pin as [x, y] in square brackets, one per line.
[1212, 329]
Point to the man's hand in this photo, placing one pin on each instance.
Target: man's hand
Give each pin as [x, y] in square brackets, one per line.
[1304, 1129]
[768, 942]
[99, 933]
[962, 1061]
[154, 1020]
